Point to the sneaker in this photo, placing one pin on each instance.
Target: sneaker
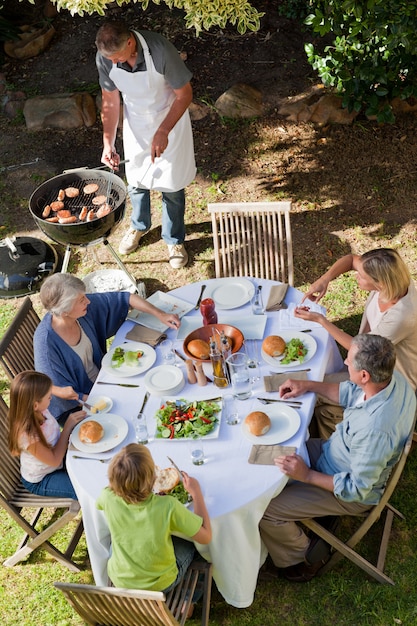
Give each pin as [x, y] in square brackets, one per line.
[130, 241]
[178, 256]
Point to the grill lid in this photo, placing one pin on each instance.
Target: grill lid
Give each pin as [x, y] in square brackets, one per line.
[24, 263]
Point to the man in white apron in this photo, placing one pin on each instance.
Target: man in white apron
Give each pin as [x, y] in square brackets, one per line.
[148, 72]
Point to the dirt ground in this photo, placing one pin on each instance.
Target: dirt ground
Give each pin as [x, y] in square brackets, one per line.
[352, 187]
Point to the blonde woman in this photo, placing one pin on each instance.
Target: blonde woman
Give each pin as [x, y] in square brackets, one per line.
[390, 311]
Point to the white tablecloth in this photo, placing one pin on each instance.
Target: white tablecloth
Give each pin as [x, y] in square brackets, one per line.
[236, 492]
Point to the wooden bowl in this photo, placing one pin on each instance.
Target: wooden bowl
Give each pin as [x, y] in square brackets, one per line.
[205, 332]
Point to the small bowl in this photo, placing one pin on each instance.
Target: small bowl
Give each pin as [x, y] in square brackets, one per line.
[205, 332]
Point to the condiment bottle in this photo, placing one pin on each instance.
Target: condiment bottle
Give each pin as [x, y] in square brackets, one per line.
[207, 310]
[189, 366]
[225, 345]
[219, 375]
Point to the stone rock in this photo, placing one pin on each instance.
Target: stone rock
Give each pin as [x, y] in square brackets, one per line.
[63, 111]
[404, 106]
[198, 111]
[31, 43]
[318, 107]
[13, 103]
[241, 100]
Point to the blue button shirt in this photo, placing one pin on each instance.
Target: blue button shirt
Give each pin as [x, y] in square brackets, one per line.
[368, 442]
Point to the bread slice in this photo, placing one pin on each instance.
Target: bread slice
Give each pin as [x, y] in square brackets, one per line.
[166, 479]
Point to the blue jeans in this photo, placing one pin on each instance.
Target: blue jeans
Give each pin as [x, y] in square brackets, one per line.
[173, 210]
[185, 553]
[56, 485]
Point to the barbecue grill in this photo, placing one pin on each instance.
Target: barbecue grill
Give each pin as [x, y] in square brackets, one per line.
[81, 232]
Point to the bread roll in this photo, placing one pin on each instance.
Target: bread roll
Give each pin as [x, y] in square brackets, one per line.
[274, 345]
[258, 423]
[165, 479]
[199, 348]
[90, 432]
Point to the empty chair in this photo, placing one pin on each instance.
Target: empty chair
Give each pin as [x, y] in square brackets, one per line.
[14, 497]
[253, 239]
[16, 345]
[346, 548]
[111, 606]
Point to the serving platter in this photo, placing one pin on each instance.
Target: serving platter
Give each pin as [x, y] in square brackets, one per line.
[309, 342]
[213, 434]
[285, 423]
[165, 302]
[124, 371]
[230, 293]
[115, 432]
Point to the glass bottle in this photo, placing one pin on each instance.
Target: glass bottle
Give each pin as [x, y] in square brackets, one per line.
[208, 311]
[219, 375]
[257, 302]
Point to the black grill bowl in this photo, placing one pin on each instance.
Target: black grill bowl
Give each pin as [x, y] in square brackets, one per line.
[80, 233]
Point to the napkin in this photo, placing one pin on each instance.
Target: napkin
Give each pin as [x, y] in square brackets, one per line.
[273, 382]
[276, 296]
[265, 455]
[145, 335]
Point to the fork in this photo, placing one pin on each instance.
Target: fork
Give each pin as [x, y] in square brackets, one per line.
[293, 403]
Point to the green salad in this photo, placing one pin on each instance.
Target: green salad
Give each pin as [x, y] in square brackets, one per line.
[180, 493]
[182, 419]
[295, 350]
[128, 357]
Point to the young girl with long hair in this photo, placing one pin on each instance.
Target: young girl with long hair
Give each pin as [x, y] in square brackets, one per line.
[35, 435]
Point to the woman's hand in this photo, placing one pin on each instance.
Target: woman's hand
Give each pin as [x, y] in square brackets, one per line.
[66, 393]
[316, 290]
[304, 313]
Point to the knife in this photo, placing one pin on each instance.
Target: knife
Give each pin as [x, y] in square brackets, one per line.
[200, 297]
[176, 467]
[272, 373]
[289, 401]
[145, 400]
[101, 382]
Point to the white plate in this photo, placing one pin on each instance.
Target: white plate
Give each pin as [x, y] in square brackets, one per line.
[165, 302]
[309, 342]
[230, 293]
[251, 326]
[94, 399]
[164, 379]
[115, 431]
[211, 435]
[285, 422]
[144, 363]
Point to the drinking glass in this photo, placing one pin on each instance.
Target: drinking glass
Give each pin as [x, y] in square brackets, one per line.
[141, 429]
[229, 409]
[167, 351]
[196, 451]
[239, 374]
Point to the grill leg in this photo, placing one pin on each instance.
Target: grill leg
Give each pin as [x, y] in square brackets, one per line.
[65, 262]
[121, 265]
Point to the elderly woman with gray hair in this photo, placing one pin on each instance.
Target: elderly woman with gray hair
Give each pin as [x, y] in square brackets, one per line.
[70, 341]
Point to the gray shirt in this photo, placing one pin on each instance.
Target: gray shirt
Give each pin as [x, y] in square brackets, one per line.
[164, 55]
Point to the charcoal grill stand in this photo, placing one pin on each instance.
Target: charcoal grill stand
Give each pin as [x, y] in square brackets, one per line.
[116, 257]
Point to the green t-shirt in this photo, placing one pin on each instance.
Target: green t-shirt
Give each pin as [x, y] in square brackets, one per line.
[143, 556]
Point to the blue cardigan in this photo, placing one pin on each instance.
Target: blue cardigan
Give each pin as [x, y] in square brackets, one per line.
[54, 357]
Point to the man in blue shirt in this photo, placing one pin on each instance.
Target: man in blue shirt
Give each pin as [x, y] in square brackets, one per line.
[349, 471]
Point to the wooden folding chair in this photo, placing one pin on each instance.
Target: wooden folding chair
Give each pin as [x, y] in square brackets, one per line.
[346, 548]
[14, 497]
[253, 239]
[16, 345]
[112, 606]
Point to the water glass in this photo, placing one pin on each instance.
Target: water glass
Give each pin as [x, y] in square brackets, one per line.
[167, 350]
[239, 375]
[251, 348]
[196, 451]
[141, 429]
[229, 410]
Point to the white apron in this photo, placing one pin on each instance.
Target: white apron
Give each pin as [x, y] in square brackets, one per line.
[147, 99]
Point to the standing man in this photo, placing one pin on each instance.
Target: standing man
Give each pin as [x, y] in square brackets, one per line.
[349, 471]
[148, 72]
